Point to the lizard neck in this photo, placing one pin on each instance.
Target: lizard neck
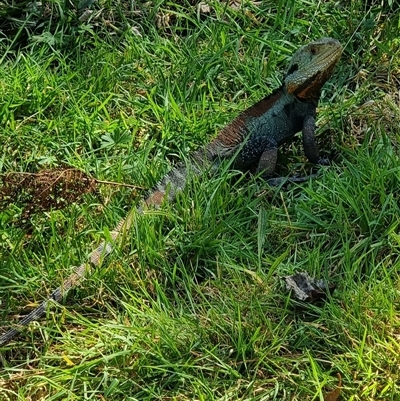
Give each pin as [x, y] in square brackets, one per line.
[305, 96]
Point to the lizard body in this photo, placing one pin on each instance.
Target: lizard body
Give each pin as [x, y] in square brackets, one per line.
[252, 138]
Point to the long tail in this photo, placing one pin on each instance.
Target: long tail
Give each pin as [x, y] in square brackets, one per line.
[166, 189]
[173, 182]
[74, 279]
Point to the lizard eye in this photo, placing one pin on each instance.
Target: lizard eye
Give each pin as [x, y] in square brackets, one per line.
[293, 68]
[313, 50]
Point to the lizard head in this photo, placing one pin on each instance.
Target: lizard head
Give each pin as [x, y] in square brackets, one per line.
[311, 67]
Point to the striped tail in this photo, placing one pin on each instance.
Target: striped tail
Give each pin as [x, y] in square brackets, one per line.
[166, 189]
[73, 280]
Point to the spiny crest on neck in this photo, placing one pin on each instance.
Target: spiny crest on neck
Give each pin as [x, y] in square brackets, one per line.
[311, 67]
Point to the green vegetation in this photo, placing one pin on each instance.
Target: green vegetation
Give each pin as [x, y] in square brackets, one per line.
[192, 305]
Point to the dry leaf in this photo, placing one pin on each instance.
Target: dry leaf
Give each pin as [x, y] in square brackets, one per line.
[334, 394]
[307, 288]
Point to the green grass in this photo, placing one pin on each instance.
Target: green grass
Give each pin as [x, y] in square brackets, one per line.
[192, 306]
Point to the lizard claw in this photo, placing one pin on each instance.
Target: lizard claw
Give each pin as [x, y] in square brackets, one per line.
[274, 182]
[327, 160]
[324, 161]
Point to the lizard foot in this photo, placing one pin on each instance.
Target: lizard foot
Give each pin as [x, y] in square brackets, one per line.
[279, 181]
[328, 159]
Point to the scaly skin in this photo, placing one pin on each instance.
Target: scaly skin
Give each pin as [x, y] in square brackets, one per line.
[254, 137]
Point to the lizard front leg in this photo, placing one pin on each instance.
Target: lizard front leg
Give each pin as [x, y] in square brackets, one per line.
[267, 162]
[266, 166]
[309, 144]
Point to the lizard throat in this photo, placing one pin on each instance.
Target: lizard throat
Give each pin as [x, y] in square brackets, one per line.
[310, 89]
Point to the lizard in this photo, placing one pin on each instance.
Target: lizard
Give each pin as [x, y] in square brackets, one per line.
[251, 139]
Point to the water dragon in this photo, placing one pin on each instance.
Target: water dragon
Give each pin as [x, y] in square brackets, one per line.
[251, 139]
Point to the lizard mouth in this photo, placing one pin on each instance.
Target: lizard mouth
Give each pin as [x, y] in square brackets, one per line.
[330, 58]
